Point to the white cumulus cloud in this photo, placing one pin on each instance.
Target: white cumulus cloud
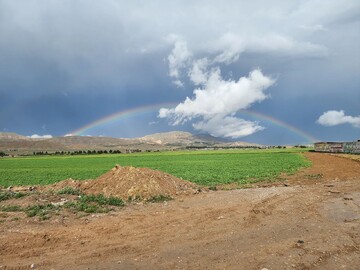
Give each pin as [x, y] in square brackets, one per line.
[334, 118]
[36, 136]
[215, 103]
[178, 58]
[198, 73]
[227, 126]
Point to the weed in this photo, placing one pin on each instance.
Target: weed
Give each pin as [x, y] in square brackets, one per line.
[39, 210]
[11, 208]
[69, 191]
[94, 203]
[3, 215]
[7, 195]
[115, 201]
[314, 176]
[86, 207]
[136, 198]
[159, 198]
[102, 200]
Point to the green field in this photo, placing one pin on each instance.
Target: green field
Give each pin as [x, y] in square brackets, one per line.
[202, 167]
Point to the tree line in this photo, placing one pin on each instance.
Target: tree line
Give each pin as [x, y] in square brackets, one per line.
[86, 152]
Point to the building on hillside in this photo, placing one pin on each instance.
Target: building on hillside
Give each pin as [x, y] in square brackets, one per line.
[338, 147]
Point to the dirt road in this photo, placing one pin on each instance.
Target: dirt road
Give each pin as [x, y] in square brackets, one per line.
[310, 222]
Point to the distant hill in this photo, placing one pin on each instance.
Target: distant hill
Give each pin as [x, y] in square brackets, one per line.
[11, 136]
[180, 138]
[18, 144]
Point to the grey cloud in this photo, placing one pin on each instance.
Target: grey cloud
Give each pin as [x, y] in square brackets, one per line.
[116, 47]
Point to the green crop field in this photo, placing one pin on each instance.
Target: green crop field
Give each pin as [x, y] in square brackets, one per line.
[202, 167]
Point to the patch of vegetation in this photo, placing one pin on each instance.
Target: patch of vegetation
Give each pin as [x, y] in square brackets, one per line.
[84, 203]
[314, 176]
[213, 188]
[136, 198]
[42, 211]
[7, 195]
[3, 215]
[160, 198]
[101, 200]
[86, 207]
[207, 168]
[69, 191]
[94, 203]
[11, 208]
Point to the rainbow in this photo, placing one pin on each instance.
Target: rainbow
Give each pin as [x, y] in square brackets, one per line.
[120, 116]
[151, 108]
[277, 122]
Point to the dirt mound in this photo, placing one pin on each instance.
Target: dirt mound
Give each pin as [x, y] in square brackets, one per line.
[131, 182]
[76, 184]
[125, 182]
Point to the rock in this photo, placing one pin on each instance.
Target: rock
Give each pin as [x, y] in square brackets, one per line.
[299, 243]
[32, 266]
[63, 201]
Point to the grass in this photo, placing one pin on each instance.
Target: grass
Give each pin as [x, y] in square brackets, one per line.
[43, 211]
[69, 191]
[314, 176]
[94, 203]
[7, 195]
[159, 198]
[202, 167]
[11, 208]
[101, 200]
[84, 203]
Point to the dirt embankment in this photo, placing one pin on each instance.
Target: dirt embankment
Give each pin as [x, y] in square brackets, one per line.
[311, 223]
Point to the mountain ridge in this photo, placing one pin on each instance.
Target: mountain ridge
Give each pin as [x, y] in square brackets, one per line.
[12, 142]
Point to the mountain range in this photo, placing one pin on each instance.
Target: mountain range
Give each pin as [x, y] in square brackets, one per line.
[18, 144]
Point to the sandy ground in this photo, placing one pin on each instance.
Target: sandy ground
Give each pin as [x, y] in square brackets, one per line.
[309, 221]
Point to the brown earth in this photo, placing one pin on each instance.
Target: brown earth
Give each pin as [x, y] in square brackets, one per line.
[130, 183]
[311, 220]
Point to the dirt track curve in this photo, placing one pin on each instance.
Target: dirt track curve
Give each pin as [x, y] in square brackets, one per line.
[310, 222]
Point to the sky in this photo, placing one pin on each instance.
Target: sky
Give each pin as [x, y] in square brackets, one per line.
[269, 72]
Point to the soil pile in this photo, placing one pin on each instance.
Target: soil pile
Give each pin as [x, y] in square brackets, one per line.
[129, 182]
[134, 183]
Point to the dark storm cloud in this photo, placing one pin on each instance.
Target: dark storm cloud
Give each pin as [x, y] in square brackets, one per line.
[66, 63]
